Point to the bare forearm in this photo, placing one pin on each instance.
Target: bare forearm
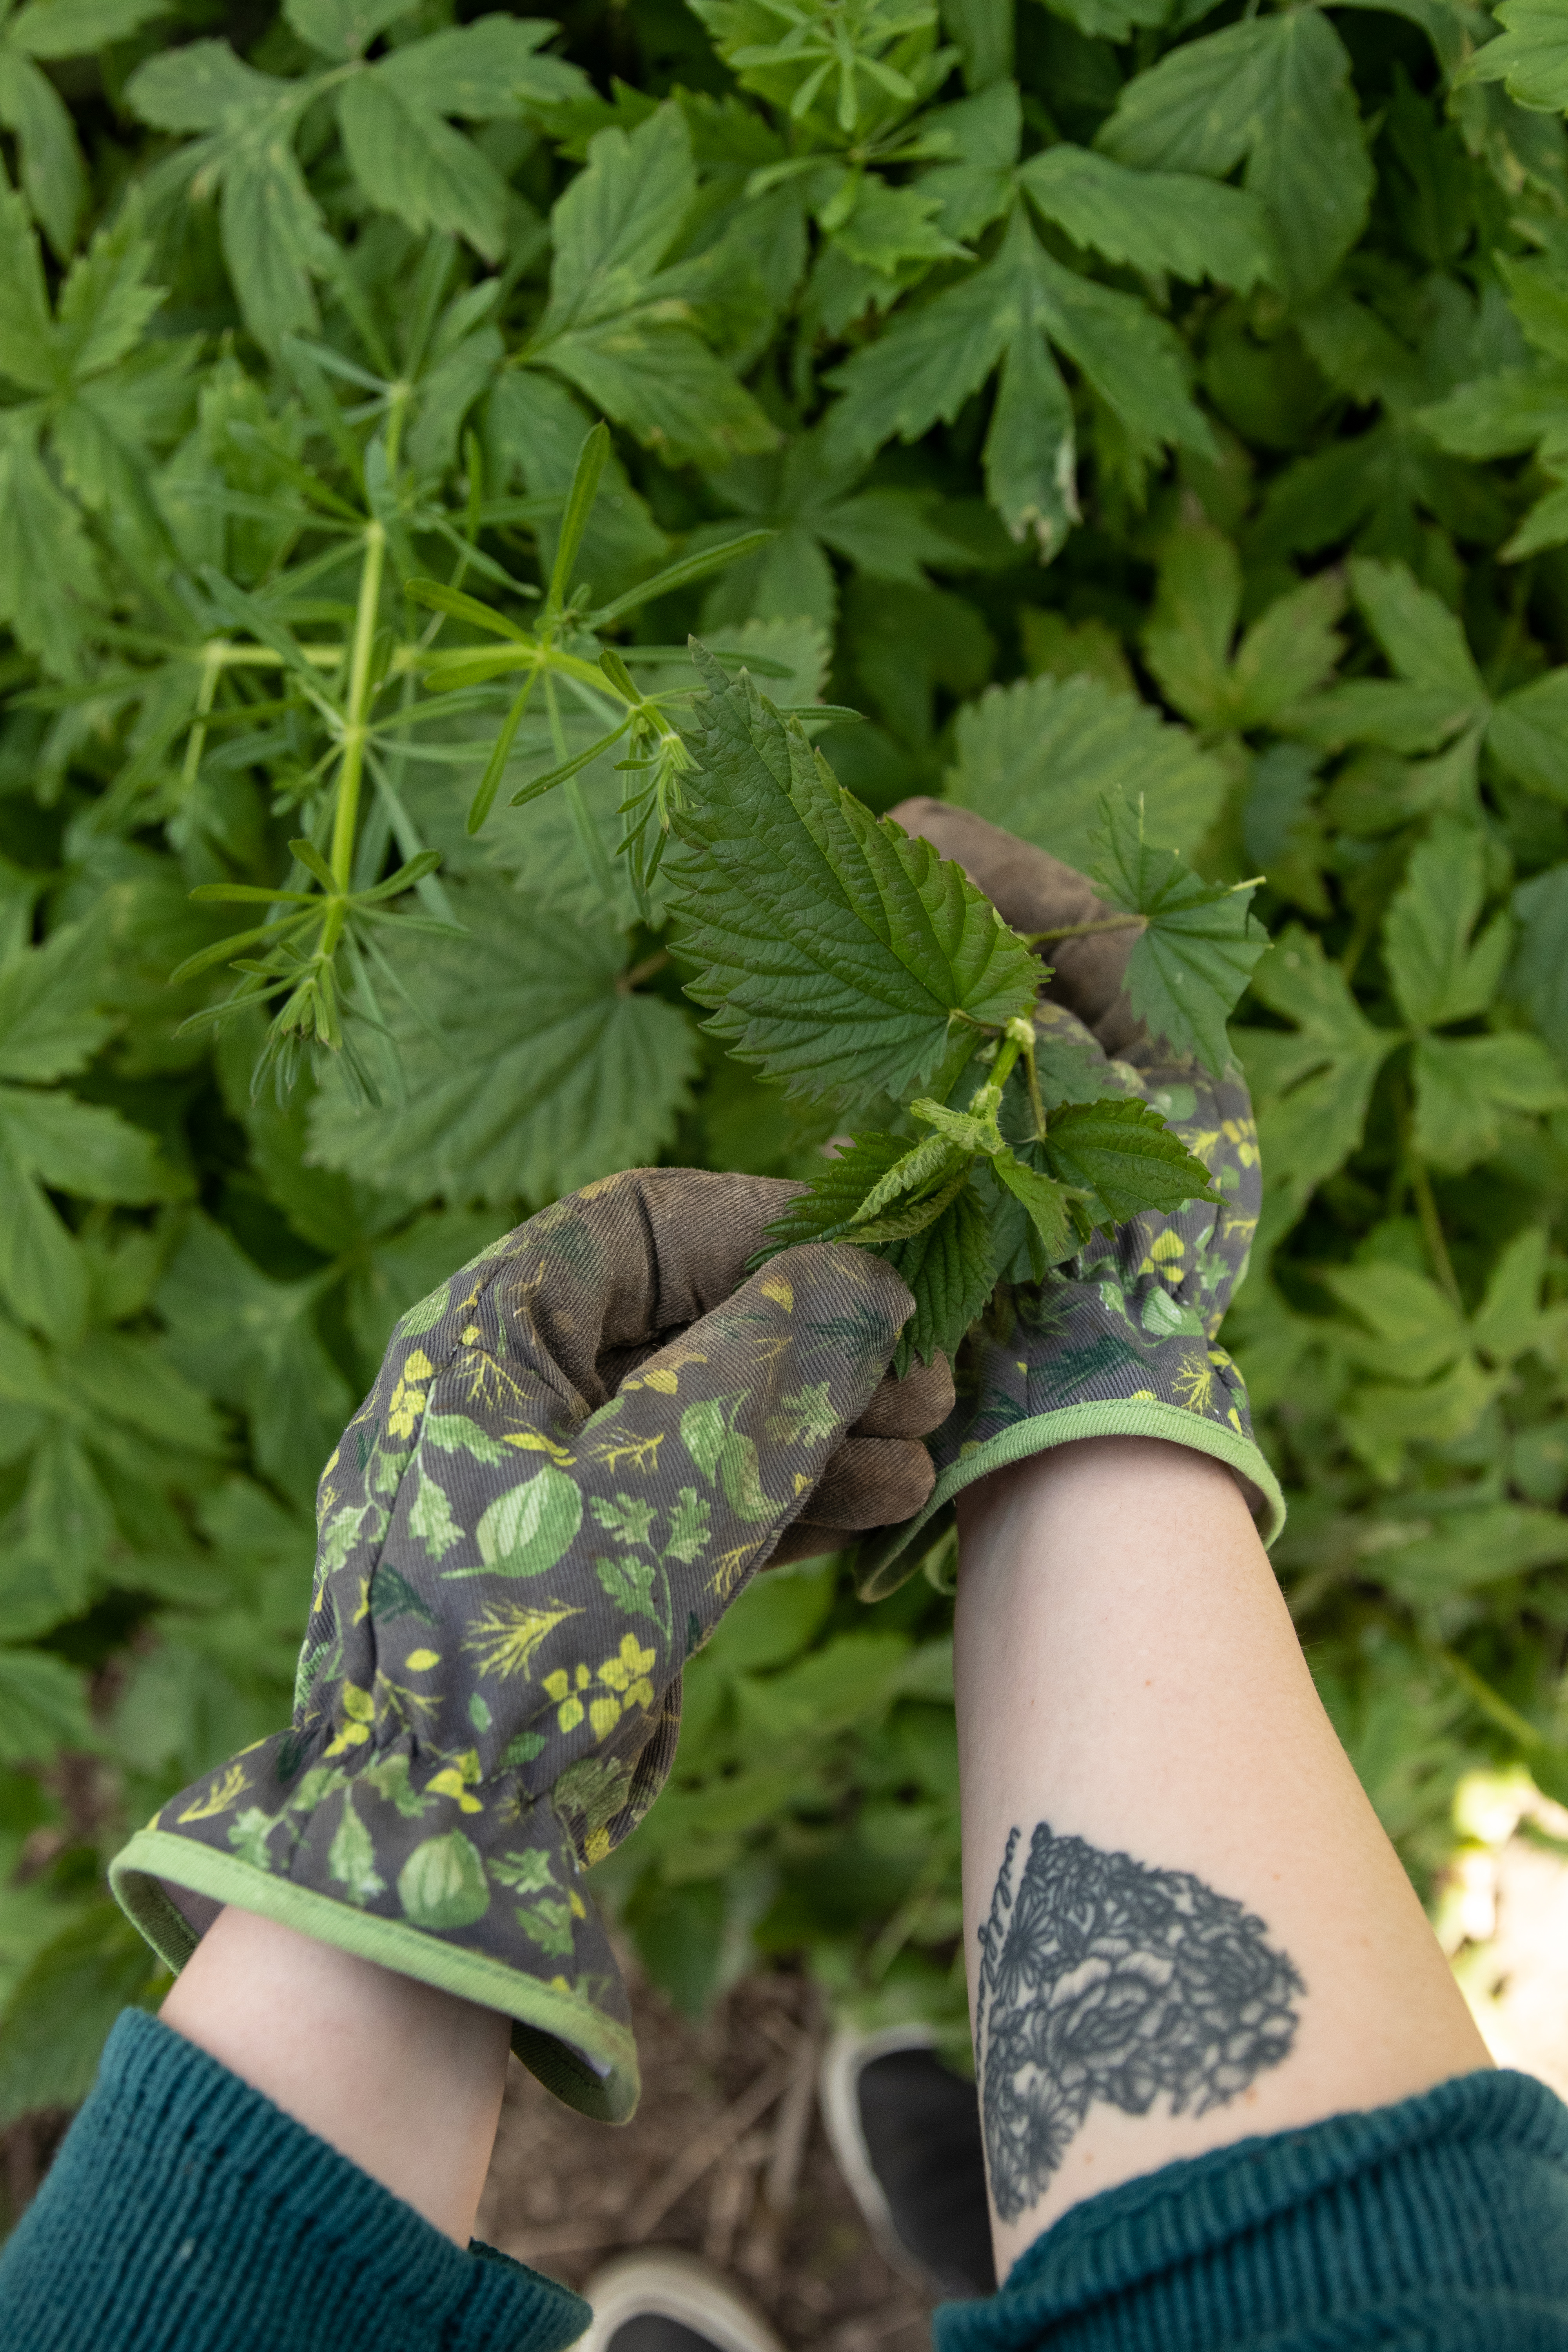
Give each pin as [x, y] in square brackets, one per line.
[1230, 1946]
[402, 2079]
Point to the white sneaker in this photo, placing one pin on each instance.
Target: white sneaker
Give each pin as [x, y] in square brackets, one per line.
[662, 2300]
[905, 2130]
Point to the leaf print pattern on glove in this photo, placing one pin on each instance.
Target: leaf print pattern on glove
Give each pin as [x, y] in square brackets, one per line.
[574, 1456]
[1122, 1338]
[1132, 1317]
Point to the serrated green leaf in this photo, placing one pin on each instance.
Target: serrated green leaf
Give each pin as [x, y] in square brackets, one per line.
[1539, 980]
[1273, 90]
[1424, 641]
[50, 999]
[1439, 973]
[605, 327]
[1038, 757]
[1466, 1085]
[1286, 653]
[254, 1343]
[548, 1077]
[1196, 228]
[43, 1705]
[1047, 1202]
[1529, 56]
[409, 160]
[1528, 735]
[1191, 961]
[1124, 1156]
[1312, 1084]
[839, 960]
[951, 1271]
[82, 1148]
[343, 29]
[1415, 1328]
[58, 2017]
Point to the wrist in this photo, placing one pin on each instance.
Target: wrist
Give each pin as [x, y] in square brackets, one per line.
[402, 2078]
[1023, 1506]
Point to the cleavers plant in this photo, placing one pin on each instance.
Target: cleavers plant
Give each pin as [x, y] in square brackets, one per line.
[446, 464]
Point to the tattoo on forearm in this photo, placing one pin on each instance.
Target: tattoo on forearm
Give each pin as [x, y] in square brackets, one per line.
[1103, 1978]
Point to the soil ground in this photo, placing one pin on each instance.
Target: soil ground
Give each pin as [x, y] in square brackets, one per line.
[726, 2156]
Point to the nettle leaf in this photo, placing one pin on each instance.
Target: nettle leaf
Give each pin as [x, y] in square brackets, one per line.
[883, 1189]
[548, 1075]
[837, 951]
[950, 1269]
[1276, 90]
[1198, 944]
[1125, 1158]
[1038, 757]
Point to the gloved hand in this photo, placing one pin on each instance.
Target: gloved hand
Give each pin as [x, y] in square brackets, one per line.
[577, 1453]
[1121, 1340]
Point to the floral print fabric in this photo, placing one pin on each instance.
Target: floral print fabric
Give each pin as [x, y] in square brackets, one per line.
[536, 1516]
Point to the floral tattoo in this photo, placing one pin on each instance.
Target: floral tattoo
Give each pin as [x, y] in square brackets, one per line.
[1104, 1978]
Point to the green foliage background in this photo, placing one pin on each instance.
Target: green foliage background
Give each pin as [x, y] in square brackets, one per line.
[1138, 393]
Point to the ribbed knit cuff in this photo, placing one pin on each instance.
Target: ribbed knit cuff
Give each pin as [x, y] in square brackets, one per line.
[1439, 2223]
[185, 2212]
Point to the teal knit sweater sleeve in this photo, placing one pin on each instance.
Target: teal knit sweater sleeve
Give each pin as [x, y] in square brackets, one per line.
[185, 2213]
[1437, 2225]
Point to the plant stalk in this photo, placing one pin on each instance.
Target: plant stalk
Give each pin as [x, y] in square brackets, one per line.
[345, 819]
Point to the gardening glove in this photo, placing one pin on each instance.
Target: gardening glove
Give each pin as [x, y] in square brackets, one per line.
[575, 1454]
[1121, 1340]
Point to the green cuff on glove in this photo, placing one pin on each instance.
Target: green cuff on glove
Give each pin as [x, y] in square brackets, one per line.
[552, 2022]
[889, 1560]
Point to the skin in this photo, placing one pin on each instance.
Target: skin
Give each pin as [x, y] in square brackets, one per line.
[1127, 1672]
[403, 2080]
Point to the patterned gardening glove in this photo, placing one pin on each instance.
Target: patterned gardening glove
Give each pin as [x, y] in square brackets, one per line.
[1119, 1340]
[578, 1452]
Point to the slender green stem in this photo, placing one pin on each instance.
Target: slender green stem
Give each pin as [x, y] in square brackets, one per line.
[582, 826]
[1037, 1099]
[346, 817]
[641, 972]
[1432, 1228]
[1491, 1702]
[212, 667]
[1084, 930]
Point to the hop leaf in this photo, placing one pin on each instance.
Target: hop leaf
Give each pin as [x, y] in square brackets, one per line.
[1198, 944]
